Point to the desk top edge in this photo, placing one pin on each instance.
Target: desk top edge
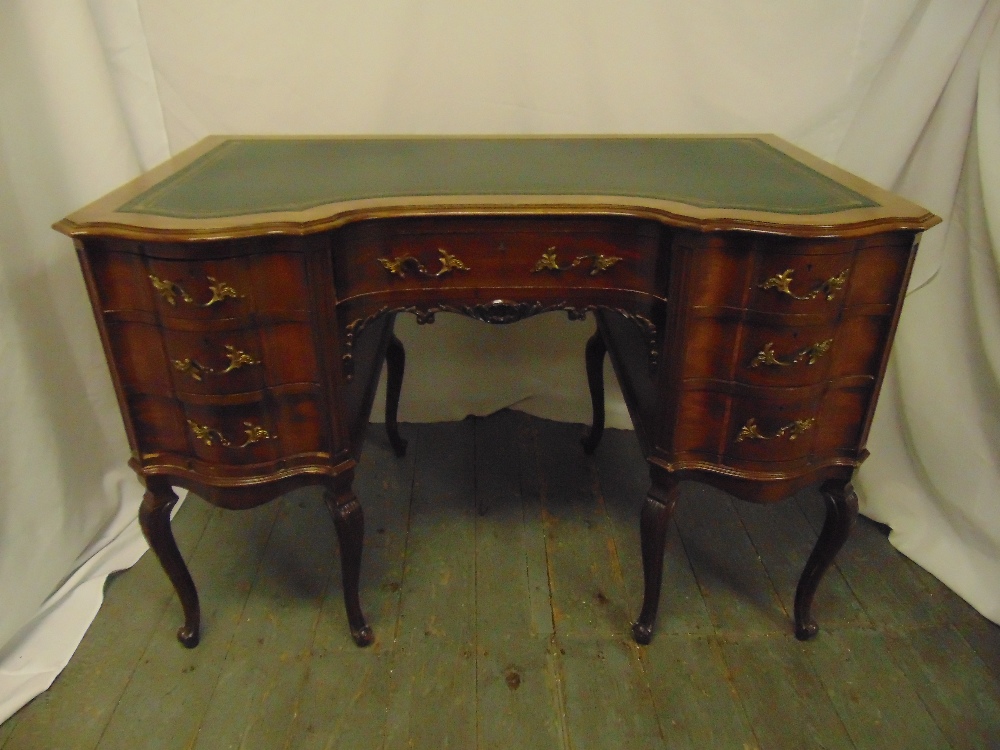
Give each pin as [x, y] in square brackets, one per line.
[103, 217]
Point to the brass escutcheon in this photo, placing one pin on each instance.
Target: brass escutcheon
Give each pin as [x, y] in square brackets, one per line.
[598, 263]
[171, 290]
[210, 435]
[751, 431]
[782, 283]
[397, 266]
[809, 355]
[196, 370]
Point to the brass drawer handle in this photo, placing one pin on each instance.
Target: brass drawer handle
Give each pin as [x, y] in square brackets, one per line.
[210, 435]
[397, 266]
[599, 263]
[197, 370]
[750, 430]
[171, 290]
[782, 283]
[809, 355]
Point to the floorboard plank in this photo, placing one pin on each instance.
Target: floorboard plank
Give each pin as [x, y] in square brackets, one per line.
[692, 689]
[784, 539]
[433, 684]
[588, 593]
[624, 481]
[734, 583]
[168, 694]
[532, 493]
[515, 703]
[785, 700]
[881, 577]
[74, 712]
[268, 657]
[957, 688]
[983, 637]
[607, 700]
[344, 698]
[874, 699]
[597, 664]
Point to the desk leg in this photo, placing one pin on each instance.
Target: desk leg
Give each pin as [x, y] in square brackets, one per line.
[395, 362]
[596, 349]
[841, 513]
[653, 523]
[349, 520]
[154, 518]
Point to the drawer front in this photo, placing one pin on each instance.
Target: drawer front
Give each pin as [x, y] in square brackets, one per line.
[800, 284]
[151, 359]
[490, 254]
[760, 427]
[200, 290]
[272, 427]
[241, 360]
[228, 288]
[764, 427]
[267, 426]
[759, 354]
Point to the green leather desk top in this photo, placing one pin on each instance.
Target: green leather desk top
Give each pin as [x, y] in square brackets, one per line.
[237, 186]
[240, 176]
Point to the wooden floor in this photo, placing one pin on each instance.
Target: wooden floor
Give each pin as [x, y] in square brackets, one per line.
[501, 573]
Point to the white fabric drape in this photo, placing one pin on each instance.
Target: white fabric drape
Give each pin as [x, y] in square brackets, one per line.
[904, 92]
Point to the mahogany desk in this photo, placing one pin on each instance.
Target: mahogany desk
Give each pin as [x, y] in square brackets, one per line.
[245, 293]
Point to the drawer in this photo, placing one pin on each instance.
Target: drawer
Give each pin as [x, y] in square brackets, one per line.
[152, 359]
[274, 425]
[759, 353]
[375, 257]
[241, 360]
[761, 426]
[229, 287]
[779, 425]
[266, 426]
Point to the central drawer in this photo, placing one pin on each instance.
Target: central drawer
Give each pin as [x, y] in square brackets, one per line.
[379, 256]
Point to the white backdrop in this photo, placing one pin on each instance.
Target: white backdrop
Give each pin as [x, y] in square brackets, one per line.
[904, 92]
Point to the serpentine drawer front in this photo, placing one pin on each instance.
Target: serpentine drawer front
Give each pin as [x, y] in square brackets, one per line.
[746, 292]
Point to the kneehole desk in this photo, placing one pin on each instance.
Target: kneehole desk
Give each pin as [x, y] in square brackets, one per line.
[746, 292]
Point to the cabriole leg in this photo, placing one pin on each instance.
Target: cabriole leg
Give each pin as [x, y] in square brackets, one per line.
[154, 518]
[349, 520]
[841, 513]
[657, 510]
[395, 362]
[596, 349]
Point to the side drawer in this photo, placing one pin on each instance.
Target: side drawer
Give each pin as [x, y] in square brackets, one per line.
[251, 429]
[767, 354]
[217, 360]
[764, 428]
[229, 287]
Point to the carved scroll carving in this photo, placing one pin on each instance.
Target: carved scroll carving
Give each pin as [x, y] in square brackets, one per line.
[497, 312]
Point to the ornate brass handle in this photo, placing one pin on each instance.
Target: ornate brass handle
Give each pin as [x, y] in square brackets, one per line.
[171, 290]
[750, 430]
[809, 355]
[449, 263]
[196, 369]
[782, 283]
[210, 435]
[598, 263]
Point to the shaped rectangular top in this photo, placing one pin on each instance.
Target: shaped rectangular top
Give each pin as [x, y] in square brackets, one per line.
[239, 183]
